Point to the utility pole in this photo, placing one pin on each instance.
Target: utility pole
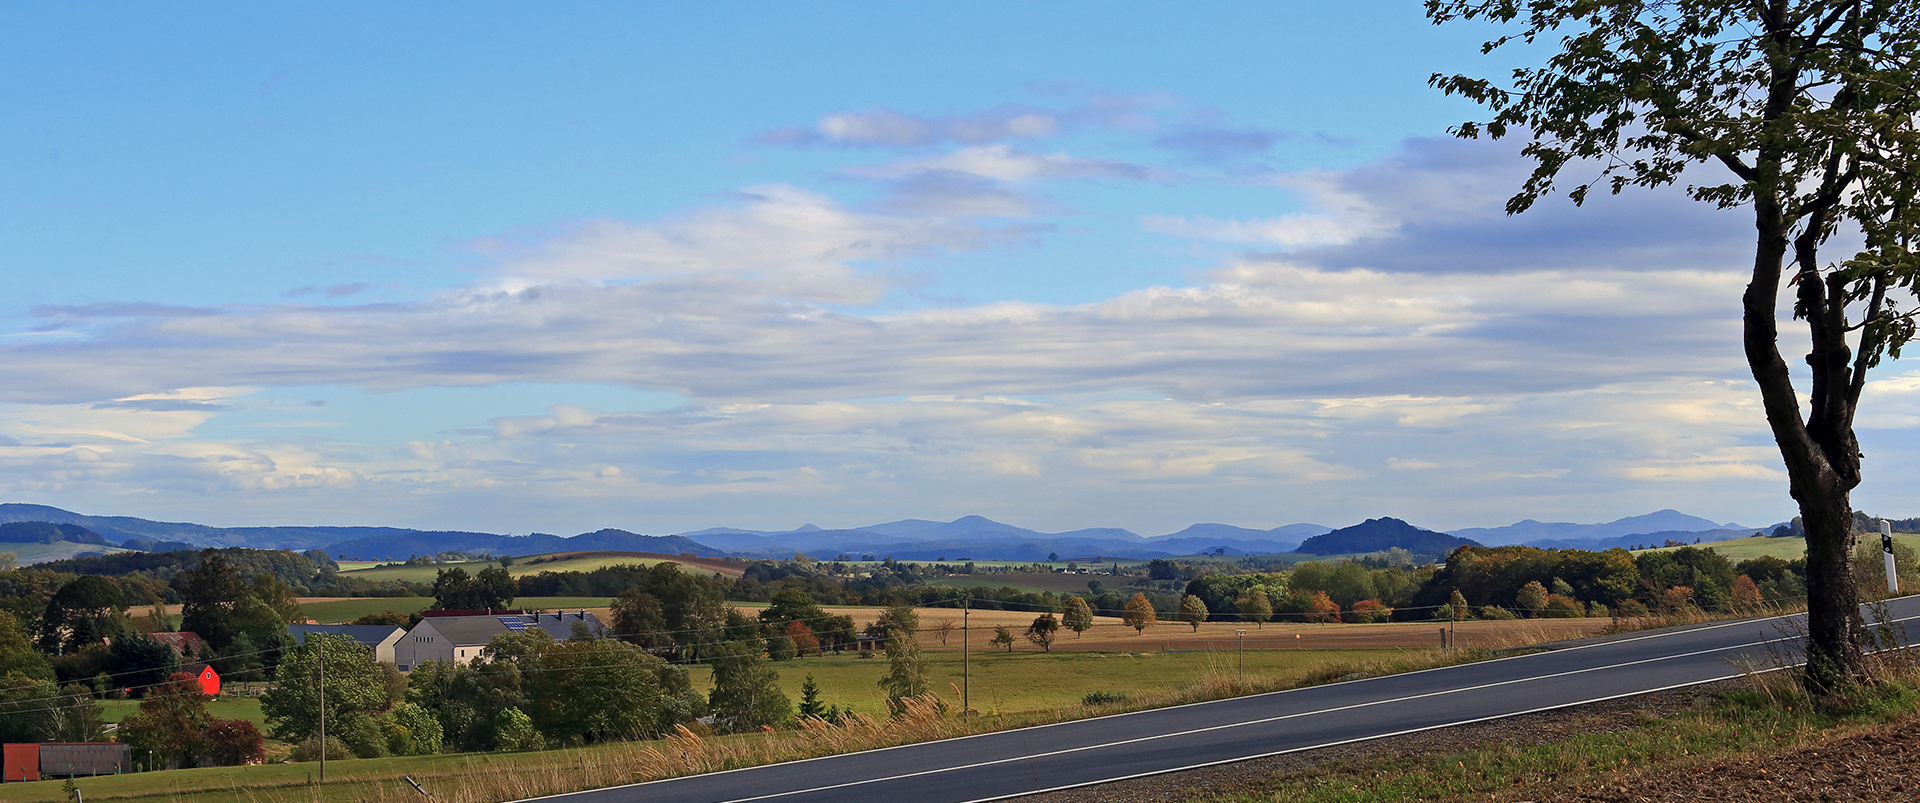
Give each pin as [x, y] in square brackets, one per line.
[966, 657]
[323, 709]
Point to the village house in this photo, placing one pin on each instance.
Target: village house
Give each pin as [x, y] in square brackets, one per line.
[382, 639]
[459, 636]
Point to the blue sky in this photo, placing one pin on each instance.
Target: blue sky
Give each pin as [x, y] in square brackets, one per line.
[666, 267]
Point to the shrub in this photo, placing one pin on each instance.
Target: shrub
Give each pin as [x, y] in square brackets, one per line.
[1559, 607]
[1368, 611]
[1497, 613]
[309, 750]
[1102, 698]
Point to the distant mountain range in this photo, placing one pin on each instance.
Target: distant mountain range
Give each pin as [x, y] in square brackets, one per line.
[968, 537]
[1662, 521]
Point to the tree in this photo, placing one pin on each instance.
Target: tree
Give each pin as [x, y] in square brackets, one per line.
[1002, 636]
[1139, 614]
[1255, 607]
[595, 690]
[455, 590]
[1043, 630]
[86, 610]
[1193, 611]
[639, 620]
[746, 692]
[171, 725]
[906, 676]
[209, 594]
[810, 705]
[1078, 616]
[1532, 600]
[136, 661]
[1810, 105]
[354, 688]
[1322, 608]
[945, 628]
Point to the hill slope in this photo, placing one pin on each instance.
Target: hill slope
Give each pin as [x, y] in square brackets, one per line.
[1375, 535]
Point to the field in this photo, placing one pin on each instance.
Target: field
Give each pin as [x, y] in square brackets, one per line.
[1028, 680]
[335, 610]
[535, 564]
[222, 707]
[39, 553]
[1740, 549]
[1029, 581]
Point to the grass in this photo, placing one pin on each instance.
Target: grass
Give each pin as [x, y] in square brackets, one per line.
[1029, 581]
[1740, 549]
[1771, 712]
[531, 564]
[1001, 686]
[1027, 682]
[223, 707]
[347, 610]
[59, 550]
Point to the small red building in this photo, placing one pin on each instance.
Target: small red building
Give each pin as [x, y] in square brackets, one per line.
[208, 679]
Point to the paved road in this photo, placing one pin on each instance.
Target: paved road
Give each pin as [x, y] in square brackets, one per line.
[1012, 763]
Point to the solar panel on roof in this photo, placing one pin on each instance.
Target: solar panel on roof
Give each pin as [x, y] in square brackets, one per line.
[514, 624]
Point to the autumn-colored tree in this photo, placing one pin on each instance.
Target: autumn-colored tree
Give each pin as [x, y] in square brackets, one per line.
[1369, 611]
[804, 642]
[1139, 614]
[1746, 594]
[1322, 608]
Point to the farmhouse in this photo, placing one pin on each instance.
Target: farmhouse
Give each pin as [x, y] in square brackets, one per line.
[382, 639]
[460, 638]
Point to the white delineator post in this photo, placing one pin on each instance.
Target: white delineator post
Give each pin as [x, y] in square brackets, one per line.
[1886, 544]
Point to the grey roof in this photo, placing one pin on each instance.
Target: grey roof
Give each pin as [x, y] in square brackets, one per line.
[468, 631]
[370, 635]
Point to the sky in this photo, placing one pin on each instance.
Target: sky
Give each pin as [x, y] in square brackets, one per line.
[663, 267]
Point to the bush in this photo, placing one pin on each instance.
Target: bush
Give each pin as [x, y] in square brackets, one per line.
[309, 750]
[513, 730]
[1597, 610]
[1559, 607]
[1369, 611]
[1102, 698]
[1497, 613]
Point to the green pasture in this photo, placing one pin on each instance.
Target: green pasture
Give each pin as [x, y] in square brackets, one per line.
[347, 610]
[222, 707]
[1026, 680]
[1740, 549]
[59, 550]
[531, 564]
[1006, 683]
[1030, 581]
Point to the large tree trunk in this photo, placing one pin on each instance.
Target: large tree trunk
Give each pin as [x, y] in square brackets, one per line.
[1821, 454]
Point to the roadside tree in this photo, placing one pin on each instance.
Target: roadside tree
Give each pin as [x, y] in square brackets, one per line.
[1810, 108]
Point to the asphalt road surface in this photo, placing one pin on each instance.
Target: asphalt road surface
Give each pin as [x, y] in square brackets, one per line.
[1020, 762]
